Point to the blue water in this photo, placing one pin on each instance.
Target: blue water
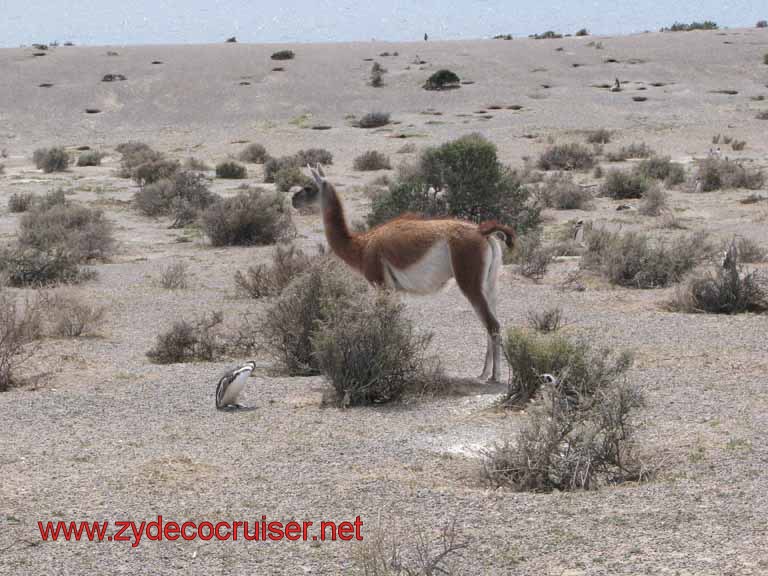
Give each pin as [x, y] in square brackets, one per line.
[198, 21]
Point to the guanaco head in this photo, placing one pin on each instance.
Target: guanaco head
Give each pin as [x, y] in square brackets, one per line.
[309, 194]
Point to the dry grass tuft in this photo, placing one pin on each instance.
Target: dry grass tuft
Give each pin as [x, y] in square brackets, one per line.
[372, 160]
[546, 320]
[72, 316]
[263, 280]
[20, 326]
[189, 341]
[175, 276]
[573, 156]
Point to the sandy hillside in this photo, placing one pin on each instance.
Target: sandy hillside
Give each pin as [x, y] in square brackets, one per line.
[103, 434]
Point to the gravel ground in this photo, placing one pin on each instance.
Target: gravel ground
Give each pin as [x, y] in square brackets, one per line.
[102, 434]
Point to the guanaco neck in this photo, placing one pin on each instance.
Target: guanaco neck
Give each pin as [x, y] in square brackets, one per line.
[344, 244]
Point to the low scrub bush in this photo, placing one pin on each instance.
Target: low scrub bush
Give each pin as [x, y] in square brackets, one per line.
[654, 201]
[631, 151]
[374, 120]
[372, 160]
[174, 276]
[370, 351]
[265, 280]
[633, 260]
[187, 341]
[601, 136]
[252, 217]
[721, 173]
[750, 251]
[314, 156]
[273, 165]
[254, 153]
[72, 316]
[51, 159]
[531, 256]
[20, 202]
[622, 185]
[135, 155]
[19, 328]
[182, 197]
[377, 75]
[546, 320]
[683, 27]
[573, 156]
[283, 55]
[231, 170]
[442, 80]
[29, 267]
[293, 321]
[289, 176]
[195, 165]
[561, 192]
[548, 35]
[90, 158]
[662, 168]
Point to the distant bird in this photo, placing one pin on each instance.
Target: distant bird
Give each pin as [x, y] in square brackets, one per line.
[231, 384]
[425, 37]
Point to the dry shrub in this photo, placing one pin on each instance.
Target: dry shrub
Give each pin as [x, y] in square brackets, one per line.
[532, 256]
[654, 201]
[231, 170]
[20, 326]
[20, 202]
[289, 176]
[189, 341]
[21, 266]
[263, 280]
[634, 150]
[601, 136]
[273, 165]
[254, 153]
[283, 55]
[372, 160]
[546, 320]
[314, 156]
[622, 185]
[738, 145]
[370, 351]
[174, 276]
[90, 158]
[721, 173]
[51, 159]
[71, 316]
[182, 197]
[750, 251]
[728, 290]
[573, 156]
[662, 168]
[377, 75]
[192, 164]
[83, 232]
[633, 260]
[374, 120]
[561, 192]
[252, 217]
[134, 155]
[380, 553]
[293, 321]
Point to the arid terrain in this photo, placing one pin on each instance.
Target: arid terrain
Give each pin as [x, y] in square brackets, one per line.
[98, 432]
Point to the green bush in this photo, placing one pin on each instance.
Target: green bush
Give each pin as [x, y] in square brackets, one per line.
[573, 156]
[370, 351]
[461, 178]
[682, 27]
[622, 185]
[442, 80]
[254, 153]
[250, 218]
[548, 35]
[231, 170]
[372, 160]
[51, 159]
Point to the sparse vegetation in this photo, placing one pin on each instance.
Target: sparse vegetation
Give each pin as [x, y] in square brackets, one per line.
[21, 266]
[195, 165]
[20, 202]
[622, 185]
[263, 280]
[19, 327]
[254, 153]
[631, 151]
[283, 55]
[377, 75]
[289, 176]
[174, 276]
[251, 217]
[662, 168]
[189, 341]
[546, 320]
[582, 32]
[573, 156]
[532, 256]
[579, 434]
[654, 201]
[372, 160]
[72, 316]
[231, 170]
[182, 197]
[548, 35]
[721, 173]
[314, 156]
[442, 80]
[90, 158]
[682, 27]
[561, 192]
[374, 120]
[634, 260]
[750, 251]
[369, 351]
[601, 136]
[51, 159]
[273, 165]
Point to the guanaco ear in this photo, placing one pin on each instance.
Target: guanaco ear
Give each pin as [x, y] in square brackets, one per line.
[317, 176]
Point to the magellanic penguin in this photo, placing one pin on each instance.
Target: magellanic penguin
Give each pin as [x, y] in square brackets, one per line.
[231, 384]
